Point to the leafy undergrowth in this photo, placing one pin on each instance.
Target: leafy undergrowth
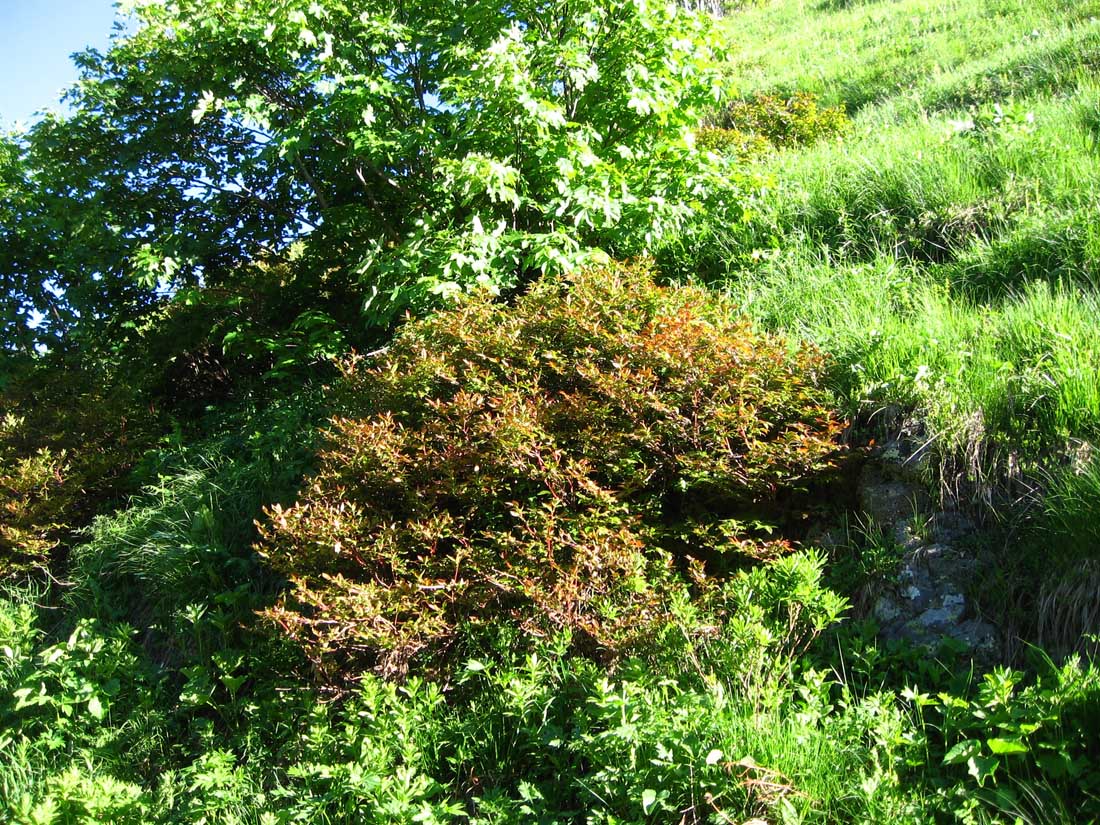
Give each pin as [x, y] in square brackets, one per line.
[737, 728]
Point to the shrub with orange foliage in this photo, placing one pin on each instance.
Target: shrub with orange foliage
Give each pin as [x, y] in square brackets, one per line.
[562, 463]
[70, 433]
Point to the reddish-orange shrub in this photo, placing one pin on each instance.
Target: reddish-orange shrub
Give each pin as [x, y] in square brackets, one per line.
[554, 464]
[69, 436]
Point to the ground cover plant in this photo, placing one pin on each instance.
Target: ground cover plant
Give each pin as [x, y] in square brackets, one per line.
[334, 489]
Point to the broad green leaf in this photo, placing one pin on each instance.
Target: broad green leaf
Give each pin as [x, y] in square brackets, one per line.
[963, 751]
[1006, 746]
[982, 768]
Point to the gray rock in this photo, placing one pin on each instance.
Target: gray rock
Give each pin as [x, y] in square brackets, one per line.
[889, 502]
[949, 613]
[886, 609]
[979, 636]
[943, 565]
[905, 537]
[926, 603]
[948, 527]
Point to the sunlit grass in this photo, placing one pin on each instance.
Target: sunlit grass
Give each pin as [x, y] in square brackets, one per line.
[944, 250]
[936, 51]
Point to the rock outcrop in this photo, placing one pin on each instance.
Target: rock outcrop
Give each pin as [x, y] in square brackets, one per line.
[927, 601]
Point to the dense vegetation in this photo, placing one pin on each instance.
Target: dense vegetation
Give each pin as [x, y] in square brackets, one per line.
[564, 463]
[427, 413]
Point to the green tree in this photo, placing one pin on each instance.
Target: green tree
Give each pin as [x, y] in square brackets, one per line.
[397, 153]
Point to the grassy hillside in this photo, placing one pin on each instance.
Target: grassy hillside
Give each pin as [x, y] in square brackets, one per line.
[945, 247]
[929, 55]
[922, 207]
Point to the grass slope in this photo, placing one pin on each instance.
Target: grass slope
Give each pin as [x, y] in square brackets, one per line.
[946, 248]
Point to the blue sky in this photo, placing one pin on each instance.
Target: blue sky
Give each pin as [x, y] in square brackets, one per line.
[36, 39]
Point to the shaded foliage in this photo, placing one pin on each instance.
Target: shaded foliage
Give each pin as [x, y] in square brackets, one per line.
[784, 121]
[70, 436]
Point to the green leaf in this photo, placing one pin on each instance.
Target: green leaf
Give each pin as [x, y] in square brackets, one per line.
[21, 695]
[95, 707]
[982, 768]
[1007, 746]
[1056, 765]
[233, 683]
[649, 799]
[963, 751]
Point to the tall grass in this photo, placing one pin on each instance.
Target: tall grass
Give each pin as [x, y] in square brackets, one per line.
[1070, 508]
[1024, 373]
[185, 542]
[934, 187]
[939, 52]
[947, 256]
